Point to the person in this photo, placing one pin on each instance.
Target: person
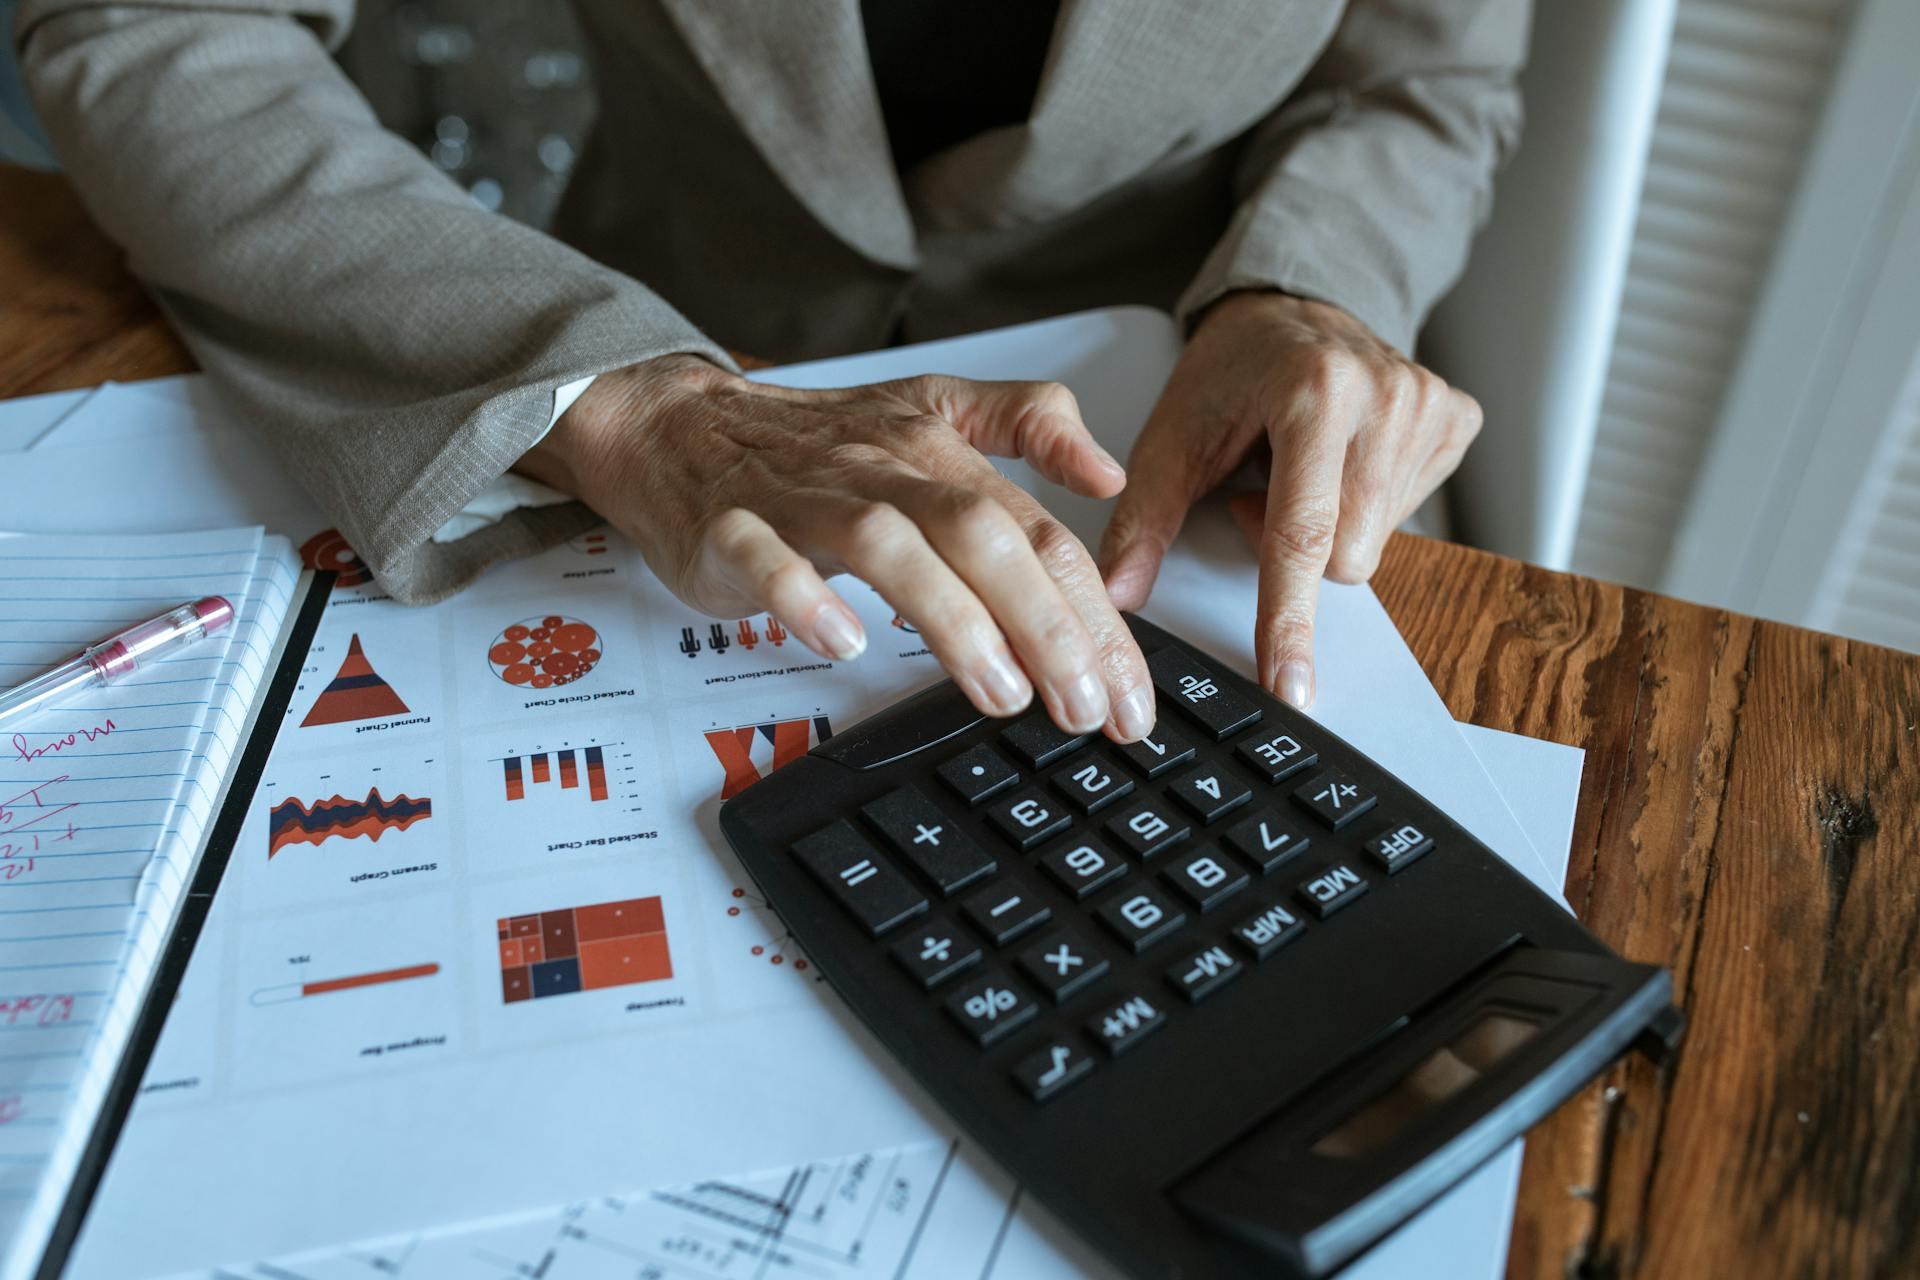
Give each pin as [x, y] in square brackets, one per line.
[1297, 180]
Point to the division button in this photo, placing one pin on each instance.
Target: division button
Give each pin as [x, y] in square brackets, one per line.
[1089, 783]
[860, 877]
[1141, 917]
[1062, 964]
[1266, 841]
[1083, 867]
[1147, 827]
[1267, 930]
[928, 839]
[1058, 1064]
[1210, 792]
[977, 773]
[1121, 1026]
[1205, 878]
[1334, 798]
[1277, 754]
[1004, 911]
[935, 952]
[1205, 699]
[1396, 848]
[1204, 972]
[1158, 752]
[1331, 890]
[1028, 816]
[1036, 741]
[990, 1006]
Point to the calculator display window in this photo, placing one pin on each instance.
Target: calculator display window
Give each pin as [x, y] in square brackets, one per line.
[1437, 1077]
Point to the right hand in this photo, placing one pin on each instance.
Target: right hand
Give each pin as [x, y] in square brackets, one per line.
[744, 498]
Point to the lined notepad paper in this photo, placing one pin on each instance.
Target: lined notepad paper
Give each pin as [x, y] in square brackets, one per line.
[105, 800]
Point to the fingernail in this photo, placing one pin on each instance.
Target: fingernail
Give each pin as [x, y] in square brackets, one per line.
[839, 633]
[1133, 717]
[1006, 690]
[1083, 703]
[1106, 457]
[1295, 684]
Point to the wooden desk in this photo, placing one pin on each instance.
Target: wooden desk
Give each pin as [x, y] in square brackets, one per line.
[1750, 817]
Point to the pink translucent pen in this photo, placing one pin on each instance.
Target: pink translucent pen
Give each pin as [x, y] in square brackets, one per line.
[119, 656]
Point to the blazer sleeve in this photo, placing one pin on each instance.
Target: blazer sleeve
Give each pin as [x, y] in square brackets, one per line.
[1365, 187]
[400, 344]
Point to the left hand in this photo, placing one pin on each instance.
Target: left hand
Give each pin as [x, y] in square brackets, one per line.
[1359, 435]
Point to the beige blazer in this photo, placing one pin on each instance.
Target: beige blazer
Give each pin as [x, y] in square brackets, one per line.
[402, 346]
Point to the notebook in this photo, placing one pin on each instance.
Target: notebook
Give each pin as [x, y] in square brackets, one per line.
[107, 801]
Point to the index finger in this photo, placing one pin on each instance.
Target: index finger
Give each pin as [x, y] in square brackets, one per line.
[1303, 511]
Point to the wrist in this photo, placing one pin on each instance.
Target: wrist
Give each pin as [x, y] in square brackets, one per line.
[615, 411]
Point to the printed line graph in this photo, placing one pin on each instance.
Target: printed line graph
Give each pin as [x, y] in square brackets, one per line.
[293, 821]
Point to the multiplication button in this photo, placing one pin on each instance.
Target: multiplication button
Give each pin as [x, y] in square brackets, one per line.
[1062, 964]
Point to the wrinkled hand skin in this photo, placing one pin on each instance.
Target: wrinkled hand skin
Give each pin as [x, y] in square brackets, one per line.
[1357, 436]
[745, 498]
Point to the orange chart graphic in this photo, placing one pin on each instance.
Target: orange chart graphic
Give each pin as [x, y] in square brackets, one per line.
[514, 772]
[357, 693]
[292, 822]
[540, 653]
[295, 990]
[751, 751]
[608, 944]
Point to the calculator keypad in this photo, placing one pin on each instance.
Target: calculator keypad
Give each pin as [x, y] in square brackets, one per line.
[1159, 841]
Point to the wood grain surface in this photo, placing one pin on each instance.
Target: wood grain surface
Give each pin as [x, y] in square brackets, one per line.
[1747, 817]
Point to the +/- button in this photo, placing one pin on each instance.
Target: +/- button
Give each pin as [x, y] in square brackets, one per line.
[1334, 798]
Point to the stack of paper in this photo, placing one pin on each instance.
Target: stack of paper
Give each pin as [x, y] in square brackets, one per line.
[104, 800]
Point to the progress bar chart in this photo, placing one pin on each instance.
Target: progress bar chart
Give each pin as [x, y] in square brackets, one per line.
[539, 768]
[299, 990]
[608, 944]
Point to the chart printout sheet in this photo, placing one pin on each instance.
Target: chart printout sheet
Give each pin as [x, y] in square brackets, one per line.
[104, 797]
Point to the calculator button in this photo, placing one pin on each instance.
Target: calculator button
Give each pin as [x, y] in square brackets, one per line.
[1276, 754]
[1210, 792]
[1396, 848]
[1141, 917]
[1081, 868]
[1028, 816]
[1147, 828]
[1004, 911]
[1265, 840]
[1204, 972]
[1062, 964]
[1331, 890]
[1205, 878]
[1158, 752]
[1057, 1065]
[1334, 798]
[1121, 1026]
[1267, 930]
[928, 839]
[857, 874]
[935, 952]
[1037, 742]
[990, 1006]
[977, 773]
[1185, 681]
[1090, 783]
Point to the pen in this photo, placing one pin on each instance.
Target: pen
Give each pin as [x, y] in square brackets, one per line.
[120, 655]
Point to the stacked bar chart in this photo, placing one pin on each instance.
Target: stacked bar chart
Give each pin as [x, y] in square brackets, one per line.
[517, 773]
[607, 944]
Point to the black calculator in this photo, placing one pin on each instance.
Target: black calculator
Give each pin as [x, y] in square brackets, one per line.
[1231, 1000]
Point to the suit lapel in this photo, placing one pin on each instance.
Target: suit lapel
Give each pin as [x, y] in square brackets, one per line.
[796, 76]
